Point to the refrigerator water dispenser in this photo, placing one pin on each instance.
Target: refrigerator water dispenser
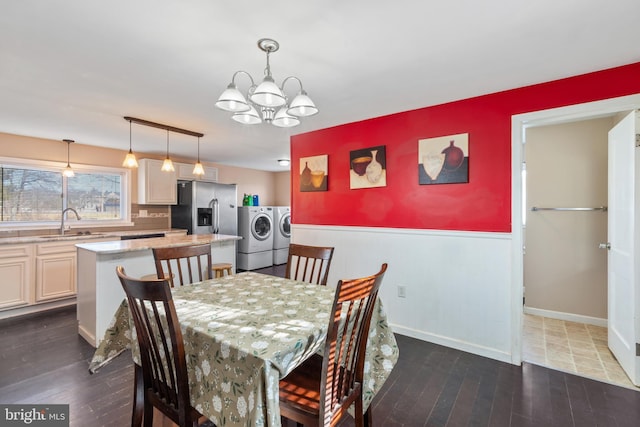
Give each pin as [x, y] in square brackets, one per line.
[205, 216]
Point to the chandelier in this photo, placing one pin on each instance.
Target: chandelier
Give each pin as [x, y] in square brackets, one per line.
[266, 101]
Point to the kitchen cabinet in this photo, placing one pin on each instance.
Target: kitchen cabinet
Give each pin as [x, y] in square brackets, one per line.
[16, 271]
[156, 187]
[55, 270]
[39, 276]
[185, 172]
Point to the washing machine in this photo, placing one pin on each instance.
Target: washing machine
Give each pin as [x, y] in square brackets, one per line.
[255, 226]
[281, 234]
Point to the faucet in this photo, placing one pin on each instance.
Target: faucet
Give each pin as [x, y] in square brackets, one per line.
[62, 220]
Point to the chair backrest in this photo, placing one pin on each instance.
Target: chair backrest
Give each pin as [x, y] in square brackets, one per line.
[309, 263]
[344, 354]
[166, 383]
[183, 265]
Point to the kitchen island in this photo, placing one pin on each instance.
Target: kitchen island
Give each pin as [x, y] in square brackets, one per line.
[99, 290]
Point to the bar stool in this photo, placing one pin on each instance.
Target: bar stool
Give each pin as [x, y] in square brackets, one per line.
[220, 268]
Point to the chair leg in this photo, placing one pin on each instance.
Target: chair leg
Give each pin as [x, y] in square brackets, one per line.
[138, 397]
[148, 415]
[368, 422]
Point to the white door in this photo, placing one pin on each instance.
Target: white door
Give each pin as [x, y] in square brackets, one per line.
[622, 255]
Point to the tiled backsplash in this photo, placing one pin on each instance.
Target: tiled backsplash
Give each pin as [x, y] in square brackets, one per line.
[156, 218]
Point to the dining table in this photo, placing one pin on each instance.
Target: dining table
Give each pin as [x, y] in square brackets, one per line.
[244, 332]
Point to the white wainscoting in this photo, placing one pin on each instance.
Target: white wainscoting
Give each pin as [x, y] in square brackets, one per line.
[458, 284]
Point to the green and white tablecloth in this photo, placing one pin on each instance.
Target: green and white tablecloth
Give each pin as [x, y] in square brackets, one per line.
[244, 332]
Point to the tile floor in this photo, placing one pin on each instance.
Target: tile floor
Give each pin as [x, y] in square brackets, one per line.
[571, 347]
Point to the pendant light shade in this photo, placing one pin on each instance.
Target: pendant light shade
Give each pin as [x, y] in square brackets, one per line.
[263, 100]
[130, 159]
[167, 165]
[198, 169]
[68, 172]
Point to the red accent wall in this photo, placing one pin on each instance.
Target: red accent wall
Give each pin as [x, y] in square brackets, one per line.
[482, 204]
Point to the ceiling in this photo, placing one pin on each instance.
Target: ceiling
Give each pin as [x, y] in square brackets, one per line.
[74, 68]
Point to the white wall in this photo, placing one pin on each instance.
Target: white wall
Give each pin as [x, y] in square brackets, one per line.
[564, 271]
[458, 287]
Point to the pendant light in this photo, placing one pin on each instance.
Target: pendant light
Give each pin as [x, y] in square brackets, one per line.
[68, 172]
[130, 159]
[198, 170]
[167, 165]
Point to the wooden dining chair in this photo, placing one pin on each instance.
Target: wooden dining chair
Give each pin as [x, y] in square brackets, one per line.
[165, 383]
[183, 265]
[320, 390]
[309, 263]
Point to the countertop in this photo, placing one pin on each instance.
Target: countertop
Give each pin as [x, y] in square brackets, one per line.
[121, 246]
[71, 236]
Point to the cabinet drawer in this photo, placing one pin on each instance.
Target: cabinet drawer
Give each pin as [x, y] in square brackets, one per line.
[56, 247]
[14, 251]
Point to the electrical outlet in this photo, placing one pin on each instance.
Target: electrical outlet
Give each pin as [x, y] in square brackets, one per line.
[402, 291]
[142, 213]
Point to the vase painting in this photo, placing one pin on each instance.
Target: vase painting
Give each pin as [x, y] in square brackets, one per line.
[367, 167]
[314, 173]
[444, 160]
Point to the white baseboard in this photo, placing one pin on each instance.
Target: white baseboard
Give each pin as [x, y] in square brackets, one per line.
[88, 336]
[491, 353]
[36, 308]
[570, 317]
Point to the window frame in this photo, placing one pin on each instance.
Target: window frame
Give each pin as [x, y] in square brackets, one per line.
[125, 194]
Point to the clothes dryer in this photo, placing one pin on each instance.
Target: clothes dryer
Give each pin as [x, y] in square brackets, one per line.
[282, 234]
[255, 226]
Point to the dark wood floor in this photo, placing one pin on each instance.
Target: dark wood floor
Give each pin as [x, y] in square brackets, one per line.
[43, 360]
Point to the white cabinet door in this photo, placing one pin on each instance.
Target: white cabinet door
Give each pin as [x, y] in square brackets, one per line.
[16, 266]
[55, 276]
[55, 270]
[156, 187]
[185, 172]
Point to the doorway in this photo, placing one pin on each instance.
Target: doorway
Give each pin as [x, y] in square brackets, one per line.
[520, 124]
[565, 273]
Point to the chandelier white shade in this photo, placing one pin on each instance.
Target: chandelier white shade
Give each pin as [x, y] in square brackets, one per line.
[232, 100]
[267, 101]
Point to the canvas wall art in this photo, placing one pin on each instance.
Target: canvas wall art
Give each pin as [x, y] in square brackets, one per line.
[314, 173]
[444, 160]
[368, 167]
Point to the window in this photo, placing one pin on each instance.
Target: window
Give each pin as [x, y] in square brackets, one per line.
[35, 193]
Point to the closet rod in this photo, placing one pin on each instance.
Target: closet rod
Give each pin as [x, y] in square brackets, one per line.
[601, 208]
